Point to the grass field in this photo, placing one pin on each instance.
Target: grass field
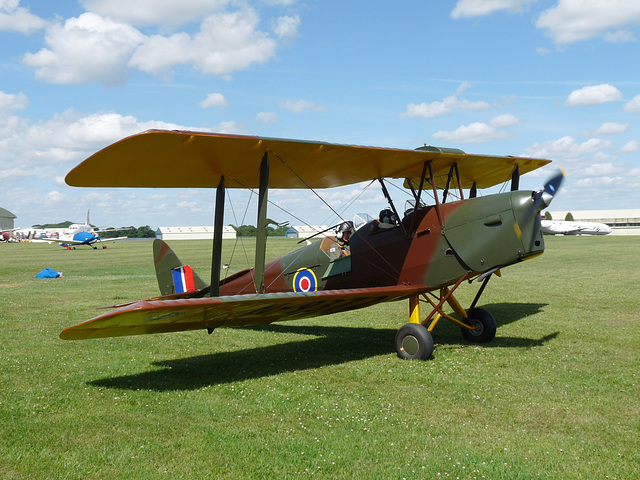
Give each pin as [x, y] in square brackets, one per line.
[555, 395]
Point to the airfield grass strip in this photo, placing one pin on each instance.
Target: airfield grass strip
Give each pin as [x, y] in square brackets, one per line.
[555, 395]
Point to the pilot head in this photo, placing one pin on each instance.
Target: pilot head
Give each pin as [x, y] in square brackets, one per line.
[387, 216]
[344, 231]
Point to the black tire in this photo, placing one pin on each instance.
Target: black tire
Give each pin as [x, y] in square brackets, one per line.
[414, 342]
[485, 326]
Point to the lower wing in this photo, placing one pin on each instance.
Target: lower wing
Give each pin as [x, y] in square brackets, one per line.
[174, 315]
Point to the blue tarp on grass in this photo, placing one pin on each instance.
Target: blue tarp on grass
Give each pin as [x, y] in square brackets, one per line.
[48, 273]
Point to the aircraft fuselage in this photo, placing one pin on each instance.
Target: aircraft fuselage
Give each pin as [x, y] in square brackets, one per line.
[476, 236]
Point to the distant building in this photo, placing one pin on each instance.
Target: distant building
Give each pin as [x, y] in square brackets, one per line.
[192, 233]
[6, 219]
[305, 231]
[623, 222]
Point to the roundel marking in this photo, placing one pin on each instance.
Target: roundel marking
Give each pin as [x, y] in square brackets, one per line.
[305, 281]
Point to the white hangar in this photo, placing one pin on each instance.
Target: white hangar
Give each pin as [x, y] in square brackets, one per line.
[192, 233]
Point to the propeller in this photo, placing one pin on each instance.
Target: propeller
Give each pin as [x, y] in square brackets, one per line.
[542, 198]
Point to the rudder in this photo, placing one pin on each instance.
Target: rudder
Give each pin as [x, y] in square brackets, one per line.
[173, 277]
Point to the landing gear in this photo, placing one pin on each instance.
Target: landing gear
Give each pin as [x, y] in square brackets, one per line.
[484, 323]
[414, 342]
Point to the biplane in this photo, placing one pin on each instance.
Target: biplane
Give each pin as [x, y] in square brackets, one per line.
[422, 254]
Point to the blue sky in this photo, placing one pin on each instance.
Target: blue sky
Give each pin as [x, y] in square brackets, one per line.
[557, 79]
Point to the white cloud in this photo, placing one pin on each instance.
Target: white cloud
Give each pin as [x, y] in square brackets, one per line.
[214, 100]
[228, 127]
[226, 42]
[44, 149]
[447, 105]
[598, 169]
[55, 196]
[268, 118]
[630, 147]
[504, 121]
[184, 205]
[95, 48]
[594, 95]
[621, 36]
[477, 8]
[287, 27]
[633, 105]
[14, 18]
[154, 12]
[567, 148]
[474, 133]
[608, 128]
[279, 2]
[157, 196]
[85, 49]
[10, 102]
[98, 198]
[302, 106]
[575, 20]
[598, 182]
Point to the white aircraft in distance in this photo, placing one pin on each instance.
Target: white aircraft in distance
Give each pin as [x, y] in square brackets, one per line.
[78, 234]
[561, 227]
[23, 235]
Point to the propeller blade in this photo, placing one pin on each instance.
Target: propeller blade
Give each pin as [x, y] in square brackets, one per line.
[542, 198]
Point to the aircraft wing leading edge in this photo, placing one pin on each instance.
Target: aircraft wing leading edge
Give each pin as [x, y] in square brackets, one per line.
[174, 315]
[182, 159]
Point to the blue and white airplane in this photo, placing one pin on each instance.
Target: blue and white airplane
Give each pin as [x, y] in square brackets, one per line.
[82, 234]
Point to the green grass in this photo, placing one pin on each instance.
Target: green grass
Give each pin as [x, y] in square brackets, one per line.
[555, 395]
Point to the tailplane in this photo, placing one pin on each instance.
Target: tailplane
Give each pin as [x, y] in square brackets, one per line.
[173, 277]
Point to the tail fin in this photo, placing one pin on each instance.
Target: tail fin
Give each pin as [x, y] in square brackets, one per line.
[173, 277]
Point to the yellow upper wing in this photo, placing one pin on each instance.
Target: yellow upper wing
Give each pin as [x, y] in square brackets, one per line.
[158, 158]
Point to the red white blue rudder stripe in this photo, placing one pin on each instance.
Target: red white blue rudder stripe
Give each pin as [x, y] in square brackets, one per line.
[183, 279]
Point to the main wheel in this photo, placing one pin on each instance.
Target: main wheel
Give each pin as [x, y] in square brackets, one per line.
[485, 324]
[414, 342]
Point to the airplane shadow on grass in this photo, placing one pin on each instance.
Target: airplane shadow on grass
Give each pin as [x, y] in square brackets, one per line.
[330, 346]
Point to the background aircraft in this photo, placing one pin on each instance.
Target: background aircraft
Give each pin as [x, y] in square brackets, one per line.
[78, 234]
[423, 255]
[33, 235]
[562, 227]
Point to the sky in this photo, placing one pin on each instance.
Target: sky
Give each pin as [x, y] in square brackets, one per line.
[556, 79]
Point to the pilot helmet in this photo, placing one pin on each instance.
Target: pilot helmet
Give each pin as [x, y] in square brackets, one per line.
[387, 216]
[344, 231]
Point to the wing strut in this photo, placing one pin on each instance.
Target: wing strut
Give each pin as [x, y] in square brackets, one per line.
[417, 196]
[473, 192]
[216, 254]
[393, 207]
[515, 179]
[446, 188]
[435, 193]
[424, 174]
[261, 236]
[452, 170]
[458, 180]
